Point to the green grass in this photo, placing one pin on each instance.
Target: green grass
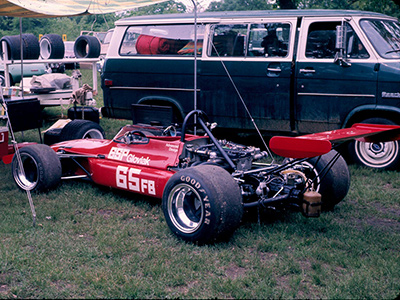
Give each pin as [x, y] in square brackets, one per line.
[93, 242]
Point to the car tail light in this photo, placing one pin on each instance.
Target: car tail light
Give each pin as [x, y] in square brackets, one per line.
[108, 82]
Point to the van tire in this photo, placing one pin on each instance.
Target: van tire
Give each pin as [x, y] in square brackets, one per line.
[385, 156]
[52, 47]
[87, 46]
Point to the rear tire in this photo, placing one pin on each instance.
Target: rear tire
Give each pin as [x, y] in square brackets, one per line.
[335, 185]
[41, 168]
[81, 129]
[202, 204]
[376, 155]
[52, 136]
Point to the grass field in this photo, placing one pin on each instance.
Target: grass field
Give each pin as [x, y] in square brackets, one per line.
[93, 242]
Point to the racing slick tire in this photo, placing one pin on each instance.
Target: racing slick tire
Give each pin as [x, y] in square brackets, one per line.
[81, 129]
[202, 204]
[52, 46]
[30, 46]
[334, 180]
[52, 136]
[41, 168]
[87, 46]
[384, 155]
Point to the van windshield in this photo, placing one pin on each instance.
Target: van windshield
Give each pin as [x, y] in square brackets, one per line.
[384, 36]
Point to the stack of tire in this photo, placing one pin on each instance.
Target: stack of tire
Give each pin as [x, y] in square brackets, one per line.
[29, 44]
[51, 46]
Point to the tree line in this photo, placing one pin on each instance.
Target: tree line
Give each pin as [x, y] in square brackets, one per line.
[72, 26]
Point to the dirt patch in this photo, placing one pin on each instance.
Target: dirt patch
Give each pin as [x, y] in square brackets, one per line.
[106, 213]
[384, 218]
[391, 211]
[4, 289]
[234, 272]
[383, 224]
[183, 289]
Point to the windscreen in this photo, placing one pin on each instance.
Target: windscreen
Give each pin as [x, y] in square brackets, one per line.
[384, 36]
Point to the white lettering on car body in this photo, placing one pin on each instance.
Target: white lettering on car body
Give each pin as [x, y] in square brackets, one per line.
[126, 179]
[125, 155]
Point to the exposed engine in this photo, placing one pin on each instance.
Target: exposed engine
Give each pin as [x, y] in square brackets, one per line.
[292, 184]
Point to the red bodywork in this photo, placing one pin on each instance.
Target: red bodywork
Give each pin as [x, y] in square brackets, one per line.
[7, 150]
[145, 167]
[142, 168]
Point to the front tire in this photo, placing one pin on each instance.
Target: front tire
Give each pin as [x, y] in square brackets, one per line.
[202, 204]
[41, 168]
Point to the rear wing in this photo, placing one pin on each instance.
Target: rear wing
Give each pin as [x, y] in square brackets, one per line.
[320, 143]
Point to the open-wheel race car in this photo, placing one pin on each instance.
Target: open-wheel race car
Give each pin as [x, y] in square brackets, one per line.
[205, 184]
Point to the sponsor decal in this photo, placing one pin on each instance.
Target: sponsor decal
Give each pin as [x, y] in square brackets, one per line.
[125, 155]
[390, 95]
[194, 183]
[172, 147]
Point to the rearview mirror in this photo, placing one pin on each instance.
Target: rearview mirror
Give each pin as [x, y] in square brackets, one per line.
[341, 38]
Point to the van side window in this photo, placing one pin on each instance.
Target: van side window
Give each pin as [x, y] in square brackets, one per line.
[321, 41]
[161, 40]
[269, 40]
[240, 40]
[228, 40]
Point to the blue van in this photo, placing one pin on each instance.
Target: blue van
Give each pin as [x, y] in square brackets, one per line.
[298, 72]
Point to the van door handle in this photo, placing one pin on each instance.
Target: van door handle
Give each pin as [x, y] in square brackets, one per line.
[307, 71]
[274, 69]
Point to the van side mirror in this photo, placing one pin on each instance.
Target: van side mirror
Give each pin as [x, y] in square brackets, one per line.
[341, 38]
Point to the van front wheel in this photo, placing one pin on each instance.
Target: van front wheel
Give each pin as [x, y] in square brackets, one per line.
[376, 155]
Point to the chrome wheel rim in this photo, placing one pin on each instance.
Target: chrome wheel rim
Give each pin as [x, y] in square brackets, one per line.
[185, 208]
[26, 176]
[93, 134]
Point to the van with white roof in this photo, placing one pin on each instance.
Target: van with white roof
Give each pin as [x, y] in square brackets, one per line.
[296, 71]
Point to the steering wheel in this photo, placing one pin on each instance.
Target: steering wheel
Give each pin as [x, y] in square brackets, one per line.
[169, 131]
[134, 136]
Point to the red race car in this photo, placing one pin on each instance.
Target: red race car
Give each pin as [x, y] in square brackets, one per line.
[205, 184]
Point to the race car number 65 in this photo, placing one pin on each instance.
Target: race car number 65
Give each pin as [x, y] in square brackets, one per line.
[126, 180]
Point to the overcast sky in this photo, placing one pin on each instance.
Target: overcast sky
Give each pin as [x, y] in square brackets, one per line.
[201, 4]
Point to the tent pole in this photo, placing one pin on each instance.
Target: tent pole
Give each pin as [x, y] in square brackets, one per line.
[195, 64]
[17, 154]
[22, 57]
